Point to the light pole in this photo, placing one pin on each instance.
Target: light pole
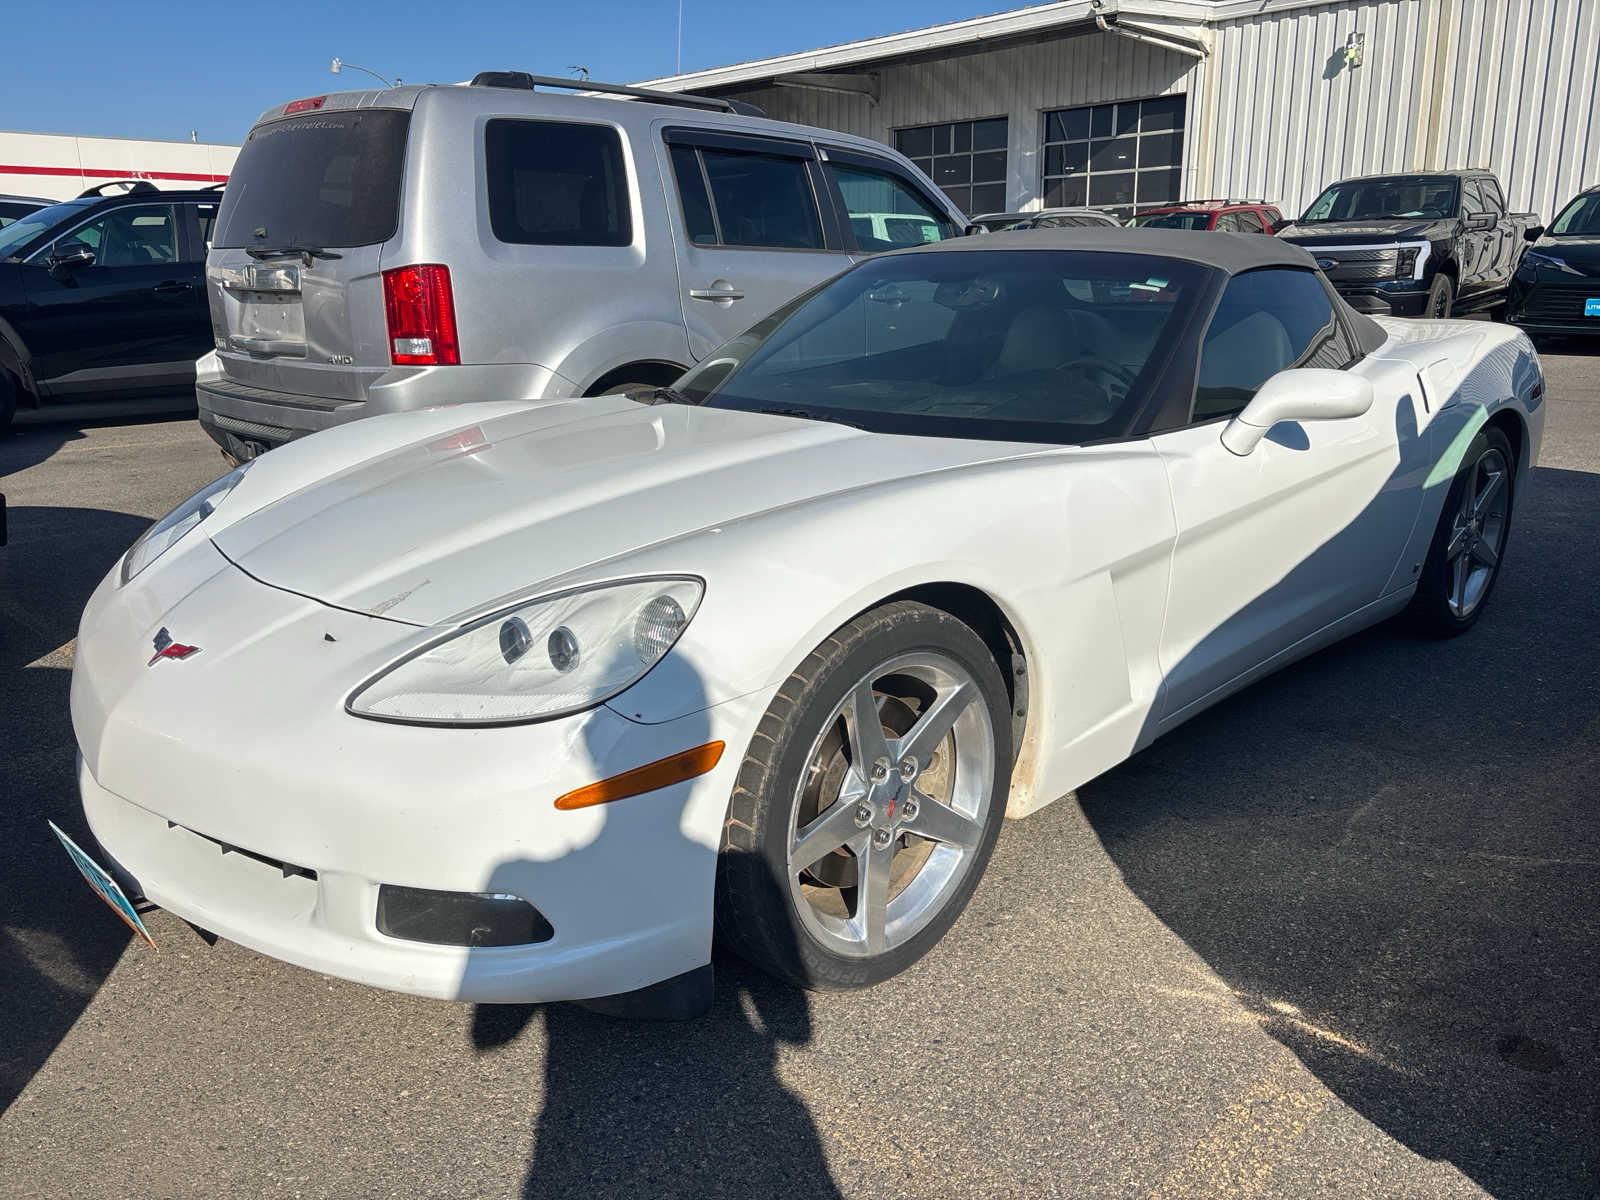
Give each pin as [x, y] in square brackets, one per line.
[339, 65]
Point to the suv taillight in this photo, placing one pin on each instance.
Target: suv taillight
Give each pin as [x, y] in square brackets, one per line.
[421, 312]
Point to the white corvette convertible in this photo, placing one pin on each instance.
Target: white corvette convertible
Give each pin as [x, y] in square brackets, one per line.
[529, 702]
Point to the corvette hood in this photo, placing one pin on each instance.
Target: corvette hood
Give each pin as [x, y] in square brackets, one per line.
[425, 531]
[1336, 233]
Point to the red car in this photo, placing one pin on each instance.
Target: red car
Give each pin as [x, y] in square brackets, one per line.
[1226, 216]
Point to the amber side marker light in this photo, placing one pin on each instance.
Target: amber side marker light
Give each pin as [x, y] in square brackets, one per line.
[664, 772]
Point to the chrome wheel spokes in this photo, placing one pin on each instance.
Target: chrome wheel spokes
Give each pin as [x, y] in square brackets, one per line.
[892, 805]
[1478, 533]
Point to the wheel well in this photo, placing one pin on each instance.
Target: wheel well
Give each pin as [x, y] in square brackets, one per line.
[658, 374]
[1509, 422]
[1448, 267]
[975, 609]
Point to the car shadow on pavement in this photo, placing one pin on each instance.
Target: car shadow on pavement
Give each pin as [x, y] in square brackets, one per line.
[675, 1108]
[1388, 853]
[688, 1109]
[57, 941]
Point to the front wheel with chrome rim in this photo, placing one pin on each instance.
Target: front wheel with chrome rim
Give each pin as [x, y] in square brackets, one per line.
[1470, 541]
[869, 801]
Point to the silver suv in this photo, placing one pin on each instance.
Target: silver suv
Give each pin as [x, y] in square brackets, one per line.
[394, 249]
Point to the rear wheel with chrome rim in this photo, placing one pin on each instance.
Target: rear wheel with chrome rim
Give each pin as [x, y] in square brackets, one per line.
[1470, 541]
[869, 802]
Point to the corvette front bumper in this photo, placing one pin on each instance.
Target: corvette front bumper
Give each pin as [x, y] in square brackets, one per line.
[232, 788]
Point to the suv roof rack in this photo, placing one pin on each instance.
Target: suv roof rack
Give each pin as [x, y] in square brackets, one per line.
[527, 82]
[135, 187]
[1226, 200]
[212, 187]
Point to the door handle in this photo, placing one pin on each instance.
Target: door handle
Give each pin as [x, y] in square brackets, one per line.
[172, 287]
[720, 289]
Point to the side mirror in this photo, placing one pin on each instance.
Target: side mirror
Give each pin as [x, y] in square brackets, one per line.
[974, 228]
[1533, 233]
[1481, 221]
[62, 263]
[1301, 394]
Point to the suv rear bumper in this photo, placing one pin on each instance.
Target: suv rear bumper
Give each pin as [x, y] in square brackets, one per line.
[246, 420]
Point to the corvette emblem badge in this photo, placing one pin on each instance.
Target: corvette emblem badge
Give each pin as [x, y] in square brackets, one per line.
[167, 648]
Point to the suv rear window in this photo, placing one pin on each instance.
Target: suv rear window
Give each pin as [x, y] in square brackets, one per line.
[324, 179]
[556, 184]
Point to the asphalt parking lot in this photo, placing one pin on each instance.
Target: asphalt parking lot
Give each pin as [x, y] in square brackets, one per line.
[1336, 937]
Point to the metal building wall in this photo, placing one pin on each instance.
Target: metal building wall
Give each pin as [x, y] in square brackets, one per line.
[1018, 82]
[1513, 85]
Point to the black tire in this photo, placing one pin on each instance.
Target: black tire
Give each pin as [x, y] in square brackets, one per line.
[8, 399]
[1436, 607]
[1441, 298]
[756, 907]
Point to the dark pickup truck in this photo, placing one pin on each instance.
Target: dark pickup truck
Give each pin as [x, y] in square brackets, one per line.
[1423, 245]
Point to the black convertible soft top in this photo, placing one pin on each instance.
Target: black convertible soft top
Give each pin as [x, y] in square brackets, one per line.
[1230, 253]
[1227, 252]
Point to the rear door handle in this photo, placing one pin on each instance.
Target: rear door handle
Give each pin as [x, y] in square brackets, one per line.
[172, 287]
[720, 289]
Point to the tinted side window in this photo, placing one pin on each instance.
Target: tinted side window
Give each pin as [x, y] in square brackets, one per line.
[885, 211]
[697, 219]
[1227, 223]
[1472, 204]
[554, 184]
[1491, 195]
[763, 200]
[205, 216]
[140, 236]
[1267, 321]
[1249, 223]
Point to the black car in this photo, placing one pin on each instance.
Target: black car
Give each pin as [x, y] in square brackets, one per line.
[1557, 285]
[12, 207]
[104, 295]
[1435, 244]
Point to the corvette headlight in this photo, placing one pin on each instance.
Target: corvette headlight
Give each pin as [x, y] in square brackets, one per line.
[170, 530]
[546, 658]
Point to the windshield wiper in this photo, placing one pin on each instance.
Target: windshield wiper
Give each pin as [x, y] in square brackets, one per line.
[810, 414]
[306, 253]
[666, 395]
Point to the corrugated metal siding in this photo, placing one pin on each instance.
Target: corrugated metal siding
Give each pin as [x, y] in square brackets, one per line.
[1445, 83]
[1018, 82]
[1513, 85]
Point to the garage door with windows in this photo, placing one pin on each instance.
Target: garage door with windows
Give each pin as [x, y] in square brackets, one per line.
[1118, 156]
[967, 159]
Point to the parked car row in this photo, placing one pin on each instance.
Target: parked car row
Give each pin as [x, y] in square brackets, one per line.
[341, 284]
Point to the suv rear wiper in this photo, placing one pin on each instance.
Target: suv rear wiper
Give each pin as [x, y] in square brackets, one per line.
[306, 253]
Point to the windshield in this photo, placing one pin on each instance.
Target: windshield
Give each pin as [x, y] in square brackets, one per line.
[1173, 220]
[324, 179]
[25, 229]
[1404, 198]
[1582, 216]
[996, 223]
[1010, 345]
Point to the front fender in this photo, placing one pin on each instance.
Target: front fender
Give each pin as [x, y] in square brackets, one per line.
[1072, 546]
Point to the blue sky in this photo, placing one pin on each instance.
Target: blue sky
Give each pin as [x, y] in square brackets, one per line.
[146, 70]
